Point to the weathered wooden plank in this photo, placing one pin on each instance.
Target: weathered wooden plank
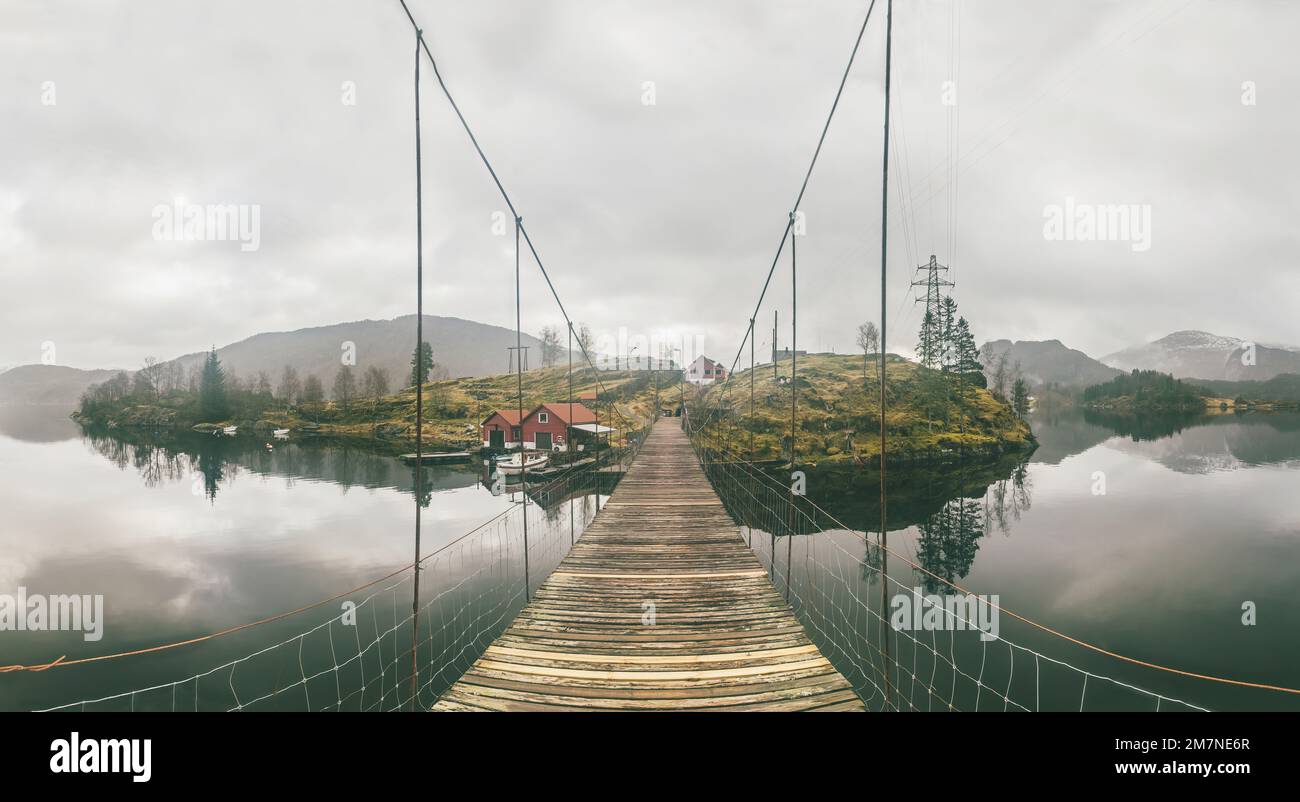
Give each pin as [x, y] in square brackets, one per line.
[721, 637]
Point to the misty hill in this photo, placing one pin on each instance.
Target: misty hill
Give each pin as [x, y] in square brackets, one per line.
[460, 347]
[1050, 362]
[1202, 355]
[47, 384]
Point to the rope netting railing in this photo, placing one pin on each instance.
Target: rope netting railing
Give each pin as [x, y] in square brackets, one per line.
[355, 652]
[844, 583]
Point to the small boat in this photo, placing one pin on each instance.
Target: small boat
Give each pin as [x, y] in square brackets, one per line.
[515, 466]
[281, 434]
[229, 431]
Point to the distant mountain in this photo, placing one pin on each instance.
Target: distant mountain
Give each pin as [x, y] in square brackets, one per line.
[1202, 355]
[461, 347]
[47, 384]
[1050, 362]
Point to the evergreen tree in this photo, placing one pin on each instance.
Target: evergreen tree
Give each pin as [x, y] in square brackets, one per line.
[967, 360]
[1020, 397]
[421, 363]
[929, 337]
[212, 389]
[947, 355]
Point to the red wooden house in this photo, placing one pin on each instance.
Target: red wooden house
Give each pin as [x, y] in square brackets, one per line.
[501, 429]
[546, 428]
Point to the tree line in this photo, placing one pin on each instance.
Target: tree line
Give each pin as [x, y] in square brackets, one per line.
[213, 393]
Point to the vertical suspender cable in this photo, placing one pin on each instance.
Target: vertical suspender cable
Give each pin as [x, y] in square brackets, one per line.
[419, 379]
[884, 250]
[794, 389]
[519, 386]
[751, 389]
[568, 433]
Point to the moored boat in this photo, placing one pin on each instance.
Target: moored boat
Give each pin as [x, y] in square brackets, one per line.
[515, 465]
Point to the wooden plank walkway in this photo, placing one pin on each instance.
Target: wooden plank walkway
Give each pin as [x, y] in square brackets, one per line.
[723, 638]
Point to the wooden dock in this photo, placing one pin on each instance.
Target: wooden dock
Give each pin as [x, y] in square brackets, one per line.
[722, 638]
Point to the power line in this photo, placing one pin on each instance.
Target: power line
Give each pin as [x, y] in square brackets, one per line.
[506, 196]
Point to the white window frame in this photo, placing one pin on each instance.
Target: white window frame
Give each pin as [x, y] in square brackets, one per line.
[543, 417]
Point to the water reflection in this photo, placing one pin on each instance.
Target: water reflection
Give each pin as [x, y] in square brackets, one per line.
[1197, 516]
[185, 534]
[213, 462]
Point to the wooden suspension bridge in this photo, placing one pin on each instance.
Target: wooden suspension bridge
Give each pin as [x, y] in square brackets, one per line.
[660, 606]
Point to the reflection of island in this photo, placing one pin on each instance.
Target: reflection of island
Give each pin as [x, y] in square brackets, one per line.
[952, 509]
[176, 457]
[1149, 426]
[1223, 443]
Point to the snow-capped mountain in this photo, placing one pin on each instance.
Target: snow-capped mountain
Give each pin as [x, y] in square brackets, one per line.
[1203, 355]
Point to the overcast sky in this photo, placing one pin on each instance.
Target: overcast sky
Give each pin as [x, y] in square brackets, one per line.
[658, 217]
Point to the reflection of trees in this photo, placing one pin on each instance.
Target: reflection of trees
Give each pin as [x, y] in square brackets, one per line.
[948, 542]
[1007, 498]
[212, 466]
[872, 561]
[1146, 426]
[170, 457]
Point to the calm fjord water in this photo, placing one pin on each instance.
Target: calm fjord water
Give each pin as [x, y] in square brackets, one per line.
[1198, 517]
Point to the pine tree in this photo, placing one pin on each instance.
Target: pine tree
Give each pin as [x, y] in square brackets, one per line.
[948, 334]
[212, 389]
[929, 340]
[1020, 397]
[424, 357]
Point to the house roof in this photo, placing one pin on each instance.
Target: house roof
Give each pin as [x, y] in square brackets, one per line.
[708, 363]
[560, 409]
[511, 416]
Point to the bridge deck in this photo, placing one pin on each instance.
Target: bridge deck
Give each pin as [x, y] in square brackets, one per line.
[722, 638]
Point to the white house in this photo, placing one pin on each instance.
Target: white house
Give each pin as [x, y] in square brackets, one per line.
[705, 371]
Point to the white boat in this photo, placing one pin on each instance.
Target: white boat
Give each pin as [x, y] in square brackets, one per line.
[281, 434]
[514, 466]
[229, 431]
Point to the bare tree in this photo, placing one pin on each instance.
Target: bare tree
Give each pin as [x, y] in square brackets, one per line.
[345, 386]
[551, 350]
[869, 342]
[375, 386]
[290, 387]
[375, 382]
[584, 337]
